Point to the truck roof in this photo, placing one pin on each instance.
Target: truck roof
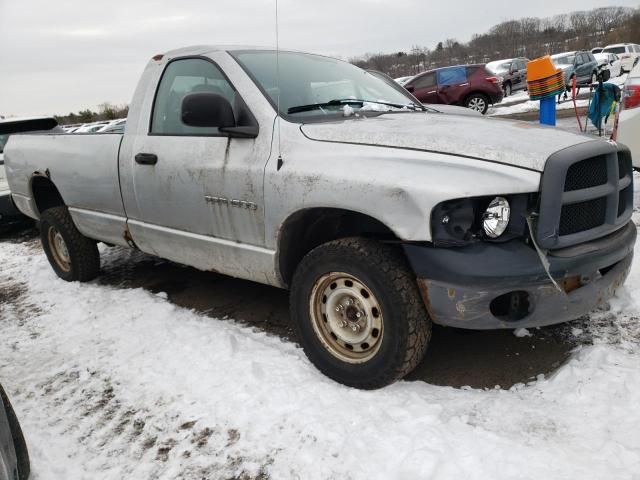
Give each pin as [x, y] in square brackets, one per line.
[201, 49]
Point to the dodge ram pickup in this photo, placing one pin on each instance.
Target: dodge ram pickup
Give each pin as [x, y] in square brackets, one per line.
[380, 215]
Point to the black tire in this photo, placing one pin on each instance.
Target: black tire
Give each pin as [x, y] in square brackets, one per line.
[478, 102]
[406, 326]
[82, 260]
[19, 443]
[507, 89]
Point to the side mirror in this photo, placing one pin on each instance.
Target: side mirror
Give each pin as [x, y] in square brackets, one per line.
[207, 110]
[410, 88]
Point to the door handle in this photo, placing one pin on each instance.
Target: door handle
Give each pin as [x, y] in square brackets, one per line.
[146, 158]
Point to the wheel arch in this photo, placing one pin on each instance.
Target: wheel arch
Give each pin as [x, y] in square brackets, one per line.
[44, 193]
[308, 228]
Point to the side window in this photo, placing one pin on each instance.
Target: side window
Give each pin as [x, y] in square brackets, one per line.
[180, 78]
[451, 76]
[579, 59]
[425, 81]
[637, 48]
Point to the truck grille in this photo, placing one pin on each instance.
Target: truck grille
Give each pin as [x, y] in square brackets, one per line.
[582, 216]
[587, 193]
[586, 173]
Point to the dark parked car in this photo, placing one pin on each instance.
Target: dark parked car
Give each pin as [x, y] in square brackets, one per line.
[512, 71]
[14, 458]
[471, 86]
[582, 65]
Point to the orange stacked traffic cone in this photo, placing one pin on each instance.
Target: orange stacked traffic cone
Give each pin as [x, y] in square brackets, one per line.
[544, 79]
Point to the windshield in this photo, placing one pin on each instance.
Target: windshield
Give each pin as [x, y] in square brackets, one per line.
[3, 141]
[322, 84]
[564, 60]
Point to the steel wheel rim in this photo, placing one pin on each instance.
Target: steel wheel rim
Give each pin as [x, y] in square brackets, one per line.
[346, 317]
[477, 104]
[59, 249]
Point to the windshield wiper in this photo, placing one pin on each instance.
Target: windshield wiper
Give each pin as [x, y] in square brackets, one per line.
[348, 101]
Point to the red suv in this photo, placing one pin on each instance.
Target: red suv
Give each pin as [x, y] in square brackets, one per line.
[472, 86]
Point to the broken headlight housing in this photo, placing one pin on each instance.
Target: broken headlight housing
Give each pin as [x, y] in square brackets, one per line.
[492, 218]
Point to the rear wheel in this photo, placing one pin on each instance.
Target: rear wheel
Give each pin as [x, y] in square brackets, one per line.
[358, 313]
[72, 256]
[477, 102]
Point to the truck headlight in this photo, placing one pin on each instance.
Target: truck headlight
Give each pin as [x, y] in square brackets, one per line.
[495, 218]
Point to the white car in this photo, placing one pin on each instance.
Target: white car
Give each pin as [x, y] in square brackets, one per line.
[111, 125]
[629, 122]
[403, 80]
[611, 62]
[91, 127]
[629, 53]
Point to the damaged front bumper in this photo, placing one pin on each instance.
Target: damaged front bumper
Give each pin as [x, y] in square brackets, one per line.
[492, 285]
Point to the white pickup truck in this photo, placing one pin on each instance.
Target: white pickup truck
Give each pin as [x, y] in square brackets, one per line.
[379, 214]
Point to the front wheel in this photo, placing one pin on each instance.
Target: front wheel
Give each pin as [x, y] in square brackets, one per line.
[358, 313]
[477, 102]
[72, 256]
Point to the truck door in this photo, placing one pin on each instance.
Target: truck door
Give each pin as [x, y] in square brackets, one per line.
[196, 195]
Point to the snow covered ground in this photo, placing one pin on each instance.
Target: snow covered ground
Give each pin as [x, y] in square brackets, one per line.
[519, 102]
[113, 383]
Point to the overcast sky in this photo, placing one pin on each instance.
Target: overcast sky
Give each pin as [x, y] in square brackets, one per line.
[58, 56]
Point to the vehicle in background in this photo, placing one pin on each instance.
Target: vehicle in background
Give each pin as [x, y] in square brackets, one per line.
[91, 127]
[9, 214]
[441, 108]
[471, 86]
[512, 71]
[597, 50]
[581, 65]
[629, 54]
[71, 128]
[403, 80]
[609, 64]
[117, 127]
[14, 456]
[629, 121]
[113, 126]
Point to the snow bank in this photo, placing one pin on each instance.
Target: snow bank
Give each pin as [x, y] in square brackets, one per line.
[119, 383]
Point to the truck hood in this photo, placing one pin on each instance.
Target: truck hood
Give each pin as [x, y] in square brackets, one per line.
[511, 142]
